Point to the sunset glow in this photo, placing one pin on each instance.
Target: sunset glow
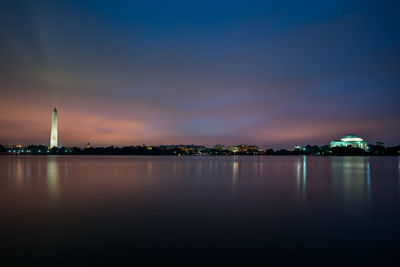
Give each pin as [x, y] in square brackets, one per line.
[230, 73]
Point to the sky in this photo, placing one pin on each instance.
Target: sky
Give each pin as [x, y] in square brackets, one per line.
[268, 73]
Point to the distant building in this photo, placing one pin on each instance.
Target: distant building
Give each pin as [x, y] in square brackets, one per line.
[252, 148]
[219, 147]
[352, 141]
[191, 149]
[233, 149]
[297, 148]
[243, 149]
[54, 130]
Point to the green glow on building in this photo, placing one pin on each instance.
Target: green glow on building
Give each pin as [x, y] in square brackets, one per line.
[352, 141]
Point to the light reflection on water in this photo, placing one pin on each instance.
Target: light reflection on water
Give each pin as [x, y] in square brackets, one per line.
[348, 180]
[304, 179]
[244, 204]
[368, 183]
[53, 178]
[301, 180]
[235, 174]
[351, 178]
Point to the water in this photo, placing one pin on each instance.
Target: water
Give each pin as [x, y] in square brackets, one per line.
[199, 210]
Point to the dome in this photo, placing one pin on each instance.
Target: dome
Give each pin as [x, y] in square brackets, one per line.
[351, 138]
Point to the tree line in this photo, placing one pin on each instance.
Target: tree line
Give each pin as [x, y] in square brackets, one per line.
[374, 150]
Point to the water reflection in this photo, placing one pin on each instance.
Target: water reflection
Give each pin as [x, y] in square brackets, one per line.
[301, 180]
[298, 177]
[28, 174]
[199, 168]
[53, 178]
[193, 204]
[19, 174]
[304, 179]
[368, 183]
[344, 181]
[149, 168]
[235, 173]
[351, 179]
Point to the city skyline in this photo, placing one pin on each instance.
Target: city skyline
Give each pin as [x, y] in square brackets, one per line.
[55, 142]
[347, 140]
[246, 72]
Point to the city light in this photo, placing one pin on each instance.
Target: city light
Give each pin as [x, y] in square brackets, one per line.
[352, 141]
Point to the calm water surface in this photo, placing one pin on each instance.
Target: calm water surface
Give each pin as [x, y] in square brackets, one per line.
[199, 210]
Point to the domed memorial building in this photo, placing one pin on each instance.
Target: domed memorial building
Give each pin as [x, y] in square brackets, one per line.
[350, 140]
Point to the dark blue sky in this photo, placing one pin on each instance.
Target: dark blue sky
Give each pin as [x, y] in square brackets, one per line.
[270, 73]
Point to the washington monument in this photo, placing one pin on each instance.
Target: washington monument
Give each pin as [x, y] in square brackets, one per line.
[54, 130]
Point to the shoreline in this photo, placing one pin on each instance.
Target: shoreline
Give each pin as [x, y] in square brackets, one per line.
[222, 155]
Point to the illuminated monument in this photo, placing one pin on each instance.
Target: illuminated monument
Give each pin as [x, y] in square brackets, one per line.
[351, 140]
[54, 130]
